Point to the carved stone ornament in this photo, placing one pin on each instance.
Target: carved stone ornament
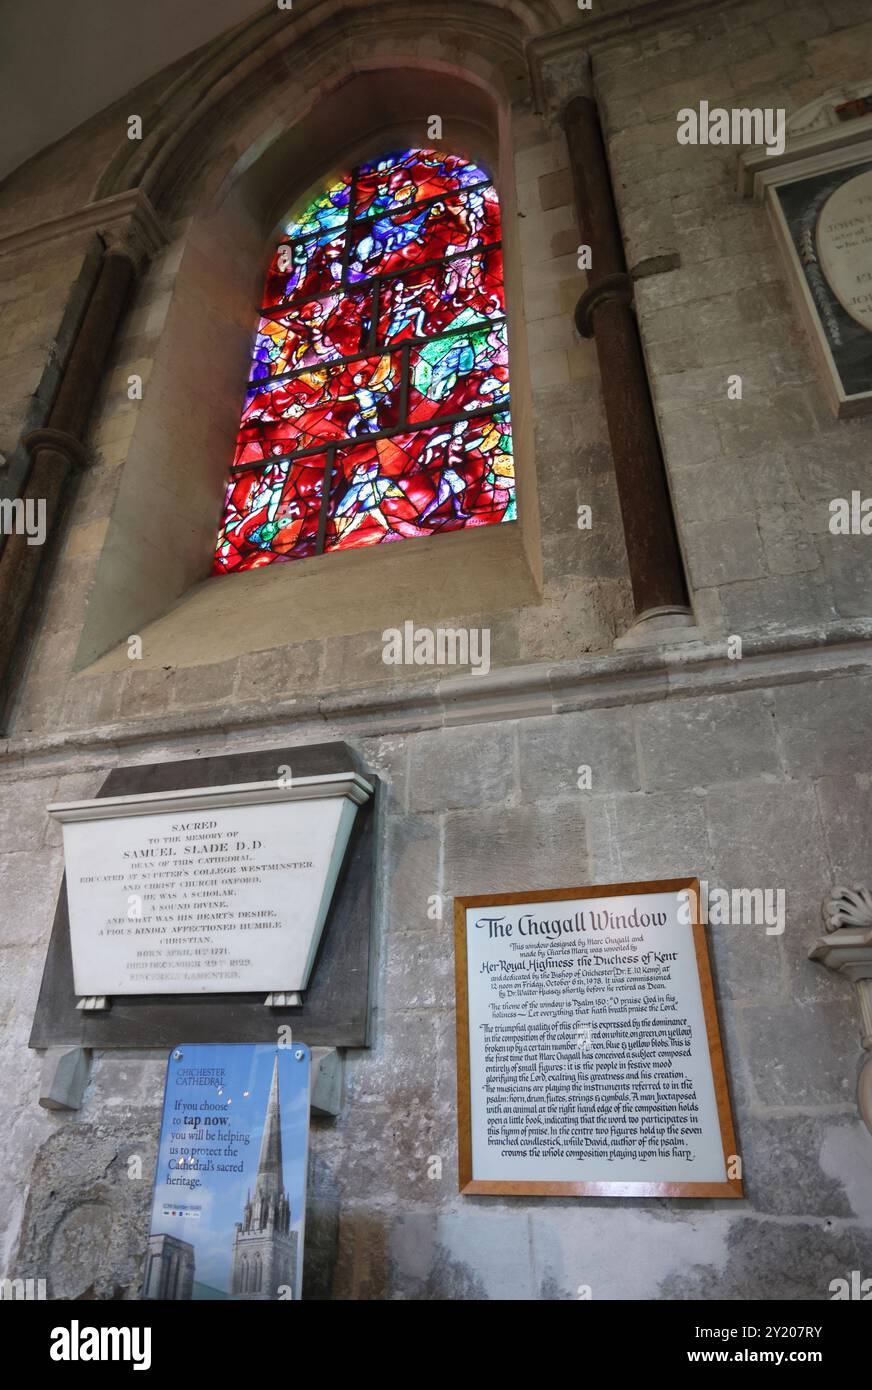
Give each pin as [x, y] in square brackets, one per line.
[847, 907]
[846, 949]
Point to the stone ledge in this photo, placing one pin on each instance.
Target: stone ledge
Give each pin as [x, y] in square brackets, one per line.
[638, 676]
[131, 210]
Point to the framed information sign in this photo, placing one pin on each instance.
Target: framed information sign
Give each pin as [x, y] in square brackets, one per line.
[229, 1205]
[589, 1059]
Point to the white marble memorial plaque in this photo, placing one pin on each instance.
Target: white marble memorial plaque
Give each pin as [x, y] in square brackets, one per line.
[844, 241]
[215, 890]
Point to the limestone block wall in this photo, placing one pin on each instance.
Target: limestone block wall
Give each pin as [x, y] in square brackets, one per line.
[751, 479]
[751, 774]
[143, 465]
[43, 290]
[762, 786]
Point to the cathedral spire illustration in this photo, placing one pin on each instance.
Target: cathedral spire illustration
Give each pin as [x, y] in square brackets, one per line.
[264, 1247]
[269, 1186]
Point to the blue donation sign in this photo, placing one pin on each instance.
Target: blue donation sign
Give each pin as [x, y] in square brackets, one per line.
[230, 1189]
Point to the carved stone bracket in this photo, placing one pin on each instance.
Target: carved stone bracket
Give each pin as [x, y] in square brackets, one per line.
[617, 287]
[847, 907]
[846, 949]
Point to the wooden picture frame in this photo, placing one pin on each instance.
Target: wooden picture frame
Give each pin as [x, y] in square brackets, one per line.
[469, 1185]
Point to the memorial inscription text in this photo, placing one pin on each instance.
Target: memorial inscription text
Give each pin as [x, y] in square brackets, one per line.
[589, 1058]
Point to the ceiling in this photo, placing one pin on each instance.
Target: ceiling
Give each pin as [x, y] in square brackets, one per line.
[62, 61]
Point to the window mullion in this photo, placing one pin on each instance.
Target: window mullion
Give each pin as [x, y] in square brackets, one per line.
[324, 514]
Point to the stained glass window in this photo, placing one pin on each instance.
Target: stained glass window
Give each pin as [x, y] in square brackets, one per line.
[378, 398]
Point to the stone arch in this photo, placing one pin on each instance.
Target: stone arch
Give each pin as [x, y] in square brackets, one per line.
[262, 54]
[157, 553]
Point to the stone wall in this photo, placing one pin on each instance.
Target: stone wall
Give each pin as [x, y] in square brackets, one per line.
[752, 480]
[747, 773]
[747, 788]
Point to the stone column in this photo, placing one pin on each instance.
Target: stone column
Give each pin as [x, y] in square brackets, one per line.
[57, 449]
[605, 313]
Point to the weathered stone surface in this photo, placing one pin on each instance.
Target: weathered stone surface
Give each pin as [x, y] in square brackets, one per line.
[553, 750]
[460, 1256]
[708, 490]
[767, 838]
[125, 1078]
[746, 963]
[817, 1067]
[464, 766]
[697, 743]
[783, 1174]
[419, 967]
[724, 551]
[205, 685]
[517, 847]
[13, 965]
[29, 884]
[642, 837]
[92, 701]
[825, 726]
[574, 1250]
[87, 1220]
[755, 605]
[286, 669]
[414, 846]
[146, 692]
[848, 563]
[399, 1111]
[798, 1259]
[766, 835]
[361, 1262]
[322, 1227]
[23, 820]
[845, 804]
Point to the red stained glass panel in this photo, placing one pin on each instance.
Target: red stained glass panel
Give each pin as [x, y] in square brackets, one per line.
[271, 514]
[390, 185]
[303, 269]
[332, 402]
[307, 334]
[425, 302]
[464, 371]
[421, 483]
[462, 222]
[381, 363]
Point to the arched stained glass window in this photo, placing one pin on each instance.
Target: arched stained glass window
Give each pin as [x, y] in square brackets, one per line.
[378, 401]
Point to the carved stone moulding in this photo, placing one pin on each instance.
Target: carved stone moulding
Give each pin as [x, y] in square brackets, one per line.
[846, 949]
[127, 223]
